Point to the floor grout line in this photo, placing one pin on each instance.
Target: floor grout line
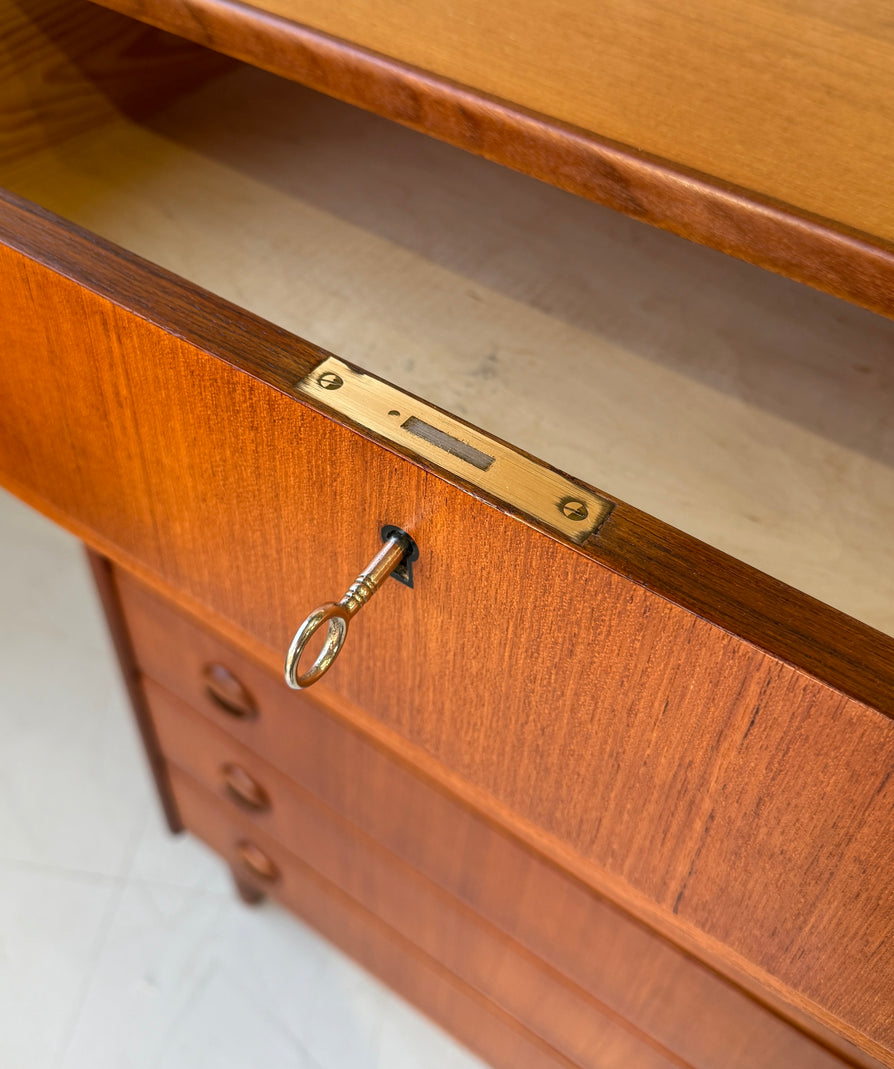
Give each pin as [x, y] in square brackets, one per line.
[110, 879]
[96, 951]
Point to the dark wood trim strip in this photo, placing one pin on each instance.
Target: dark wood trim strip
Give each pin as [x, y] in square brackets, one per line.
[842, 652]
[104, 579]
[786, 623]
[779, 237]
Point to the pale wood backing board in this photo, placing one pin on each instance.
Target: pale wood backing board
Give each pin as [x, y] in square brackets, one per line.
[791, 99]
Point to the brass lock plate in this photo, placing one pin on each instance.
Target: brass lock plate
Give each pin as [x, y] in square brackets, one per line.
[463, 451]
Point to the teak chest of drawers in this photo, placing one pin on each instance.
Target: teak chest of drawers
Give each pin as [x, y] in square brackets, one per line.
[590, 792]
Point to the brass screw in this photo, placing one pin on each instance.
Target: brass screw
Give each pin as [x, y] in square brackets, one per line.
[573, 509]
[330, 381]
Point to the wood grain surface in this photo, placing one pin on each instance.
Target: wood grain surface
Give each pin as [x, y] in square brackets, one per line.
[647, 748]
[626, 968]
[764, 130]
[476, 1021]
[67, 68]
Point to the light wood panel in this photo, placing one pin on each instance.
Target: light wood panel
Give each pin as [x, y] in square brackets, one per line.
[791, 99]
[67, 68]
[652, 750]
[763, 130]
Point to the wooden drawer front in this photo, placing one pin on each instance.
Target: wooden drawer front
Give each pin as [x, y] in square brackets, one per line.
[361, 933]
[676, 729]
[619, 963]
[328, 851]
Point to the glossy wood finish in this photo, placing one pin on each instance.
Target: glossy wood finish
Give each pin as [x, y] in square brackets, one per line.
[555, 916]
[744, 127]
[634, 978]
[472, 1018]
[666, 750]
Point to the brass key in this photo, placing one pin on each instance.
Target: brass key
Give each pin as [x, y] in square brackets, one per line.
[398, 547]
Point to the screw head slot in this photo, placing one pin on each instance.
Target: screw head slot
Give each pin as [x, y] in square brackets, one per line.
[573, 509]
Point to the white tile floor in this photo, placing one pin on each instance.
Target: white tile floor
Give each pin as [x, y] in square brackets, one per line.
[122, 947]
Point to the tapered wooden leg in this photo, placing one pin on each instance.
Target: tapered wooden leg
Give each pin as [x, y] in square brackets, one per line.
[249, 892]
[108, 595]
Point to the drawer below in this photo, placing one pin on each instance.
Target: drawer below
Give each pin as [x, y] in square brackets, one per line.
[600, 962]
[392, 924]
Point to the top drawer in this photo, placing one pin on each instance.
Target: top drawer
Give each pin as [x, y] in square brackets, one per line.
[694, 739]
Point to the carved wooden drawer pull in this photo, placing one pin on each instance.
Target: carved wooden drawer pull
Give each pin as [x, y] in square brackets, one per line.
[256, 862]
[228, 693]
[243, 789]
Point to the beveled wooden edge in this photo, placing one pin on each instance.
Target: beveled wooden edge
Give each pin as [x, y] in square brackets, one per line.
[844, 653]
[104, 580]
[771, 234]
[184, 310]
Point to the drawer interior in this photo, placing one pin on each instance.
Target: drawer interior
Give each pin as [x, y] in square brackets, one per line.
[743, 408]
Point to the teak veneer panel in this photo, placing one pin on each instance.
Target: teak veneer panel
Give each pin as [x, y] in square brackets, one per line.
[554, 915]
[628, 969]
[732, 404]
[539, 998]
[763, 129]
[653, 750]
